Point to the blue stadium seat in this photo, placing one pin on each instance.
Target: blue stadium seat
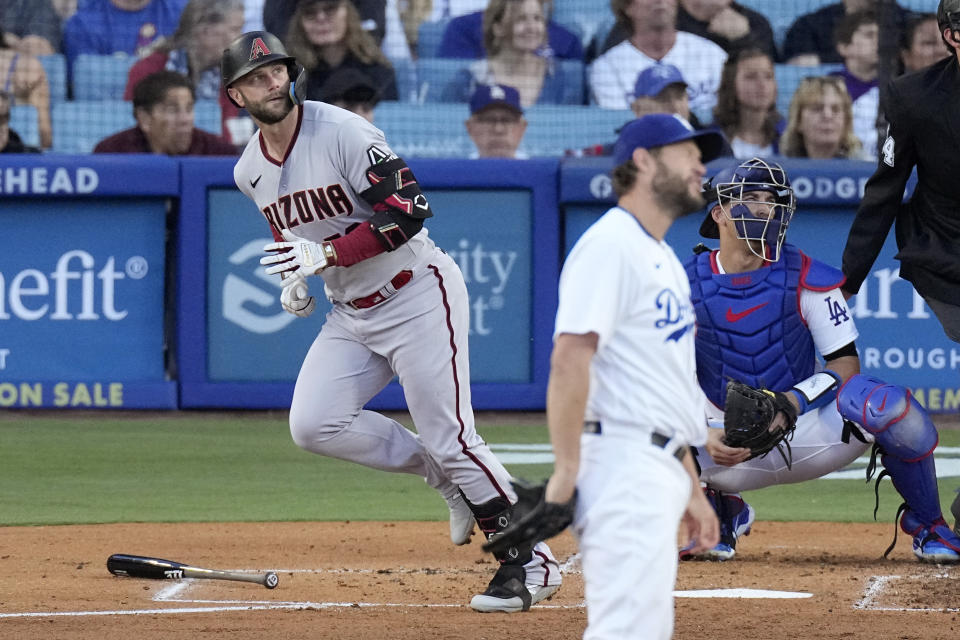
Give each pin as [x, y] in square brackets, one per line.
[23, 120]
[434, 74]
[553, 129]
[100, 77]
[55, 66]
[582, 17]
[79, 125]
[406, 74]
[429, 37]
[789, 77]
[431, 130]
[207, 116]
[919, 6]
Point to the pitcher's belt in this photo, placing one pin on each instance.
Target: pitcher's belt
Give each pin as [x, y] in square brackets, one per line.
[657, 439]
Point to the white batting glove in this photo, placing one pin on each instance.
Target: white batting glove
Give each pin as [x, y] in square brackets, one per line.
[297, 255]
[296, 298]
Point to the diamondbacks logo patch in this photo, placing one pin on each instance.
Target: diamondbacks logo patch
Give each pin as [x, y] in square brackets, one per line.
[376, 155]
[259, 49]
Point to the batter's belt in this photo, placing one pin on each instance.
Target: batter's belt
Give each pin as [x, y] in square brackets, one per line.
[384, 292]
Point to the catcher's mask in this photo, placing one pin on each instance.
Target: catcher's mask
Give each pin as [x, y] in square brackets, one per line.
[255, 49]
[762, 224]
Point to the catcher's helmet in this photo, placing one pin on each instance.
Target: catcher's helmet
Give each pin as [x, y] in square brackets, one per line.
[255, 49]
[948, 15]
[727, 189]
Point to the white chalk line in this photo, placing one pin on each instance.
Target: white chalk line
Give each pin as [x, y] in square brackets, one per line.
[877, 584]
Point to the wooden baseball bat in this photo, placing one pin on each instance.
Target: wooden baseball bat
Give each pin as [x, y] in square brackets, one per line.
[121, 564]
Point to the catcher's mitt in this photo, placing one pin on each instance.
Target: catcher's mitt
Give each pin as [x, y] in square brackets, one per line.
[534, 519]
[748, 415]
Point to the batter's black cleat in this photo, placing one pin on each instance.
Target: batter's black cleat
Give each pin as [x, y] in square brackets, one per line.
[508, 592]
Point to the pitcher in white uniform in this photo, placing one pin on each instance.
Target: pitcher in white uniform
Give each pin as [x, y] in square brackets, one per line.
[342, 206]
[622, 401]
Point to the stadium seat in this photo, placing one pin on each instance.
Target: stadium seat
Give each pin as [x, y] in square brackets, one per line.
[79, 125]
[553, 129]
[789, 77]
[431, 130]
[55, 66]
[582, 17]
[434, 74]
[429, 37]
[919, 6]
[100, 77]
[406, 74]
[207, 116]
[23, 120]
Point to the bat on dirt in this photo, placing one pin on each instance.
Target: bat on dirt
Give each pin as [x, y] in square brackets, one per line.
[121, 564]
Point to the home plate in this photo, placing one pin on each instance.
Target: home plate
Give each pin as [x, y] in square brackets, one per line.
[740, 593]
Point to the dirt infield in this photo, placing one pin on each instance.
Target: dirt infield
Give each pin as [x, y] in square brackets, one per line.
[363, 580]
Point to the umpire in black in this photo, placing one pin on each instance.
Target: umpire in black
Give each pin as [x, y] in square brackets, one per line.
[923, 112]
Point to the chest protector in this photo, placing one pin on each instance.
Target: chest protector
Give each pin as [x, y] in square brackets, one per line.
[749, 326]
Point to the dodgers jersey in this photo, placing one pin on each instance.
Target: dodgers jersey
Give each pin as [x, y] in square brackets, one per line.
[629, 288]
[314, 191]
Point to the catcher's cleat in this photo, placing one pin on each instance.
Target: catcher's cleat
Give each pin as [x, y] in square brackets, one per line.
[461, 519]
[955, 510]
[736, 520]
[935, 543]
[516, 588]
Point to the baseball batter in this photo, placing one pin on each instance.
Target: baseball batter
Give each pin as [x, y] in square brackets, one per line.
[622, 400]
[342, 206]
[765, 310]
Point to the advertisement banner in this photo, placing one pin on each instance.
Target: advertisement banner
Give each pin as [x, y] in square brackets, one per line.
[82, 303]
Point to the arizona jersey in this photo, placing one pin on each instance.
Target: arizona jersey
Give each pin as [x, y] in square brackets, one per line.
[314, 191]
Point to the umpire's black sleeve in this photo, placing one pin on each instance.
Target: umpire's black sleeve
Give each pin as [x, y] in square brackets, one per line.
[883, 195]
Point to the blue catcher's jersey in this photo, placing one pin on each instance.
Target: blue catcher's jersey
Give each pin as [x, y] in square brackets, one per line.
[749, 325]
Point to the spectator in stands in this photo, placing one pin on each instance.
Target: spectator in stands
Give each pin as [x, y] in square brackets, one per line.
[496, 123]
[206, 28]
[810, 39]
[326, 35]
[30, 26]
[654, 38]
[64, 9]
[466, 37]
[746, 108]
[820, 121]
[514, 34]
[730, 25]
[278, 14]
[857, 36]
[163, 107]
[106, 27]
[22, 76]
[350, 89]
[10, 142]
[920, 43]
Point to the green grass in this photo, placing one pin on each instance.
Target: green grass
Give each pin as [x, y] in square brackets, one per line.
[189, 467]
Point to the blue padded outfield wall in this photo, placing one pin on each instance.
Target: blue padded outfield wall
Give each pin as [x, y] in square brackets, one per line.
[134, 282]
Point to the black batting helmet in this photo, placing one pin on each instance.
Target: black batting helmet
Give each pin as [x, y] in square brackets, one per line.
[948, 15]
[255, 49]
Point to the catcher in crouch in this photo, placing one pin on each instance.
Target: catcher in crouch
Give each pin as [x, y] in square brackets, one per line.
[765, 312]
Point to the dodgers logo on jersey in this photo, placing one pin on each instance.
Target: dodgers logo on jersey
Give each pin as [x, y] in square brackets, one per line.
[674, 313]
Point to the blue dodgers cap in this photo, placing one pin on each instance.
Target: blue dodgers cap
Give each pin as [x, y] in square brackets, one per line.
[486, 95]
[660, 129]
[655, 78]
